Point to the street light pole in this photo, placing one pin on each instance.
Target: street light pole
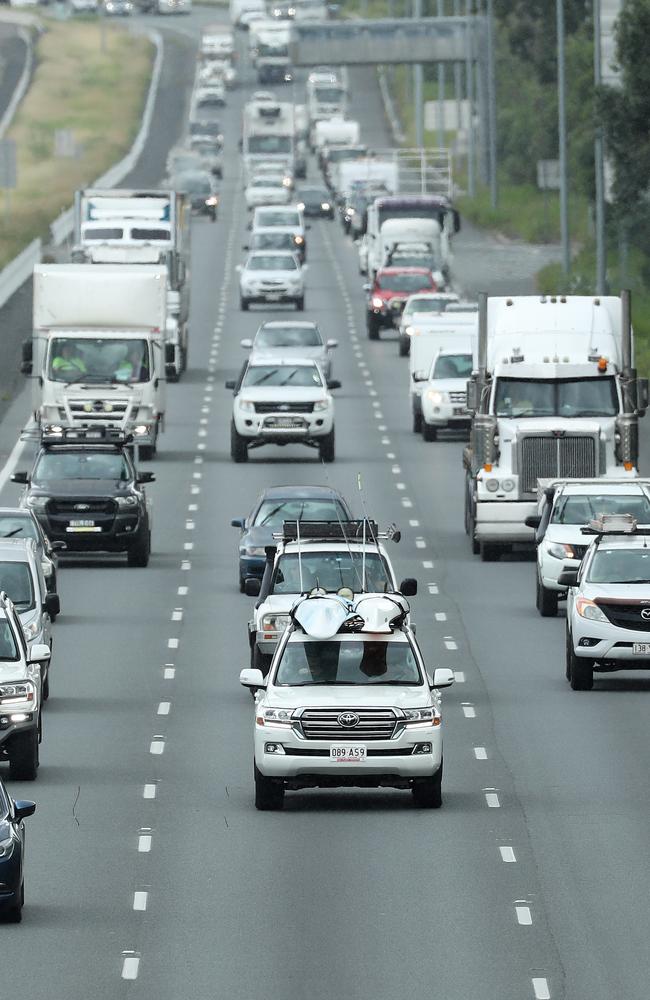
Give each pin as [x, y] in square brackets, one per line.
[561, 104]
[492, 106]
[418, 98]
[441, 89]
[469, 79]
[599, 166]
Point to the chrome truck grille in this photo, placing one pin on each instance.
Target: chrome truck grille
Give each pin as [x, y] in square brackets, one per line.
[552, 457]
[323, 724]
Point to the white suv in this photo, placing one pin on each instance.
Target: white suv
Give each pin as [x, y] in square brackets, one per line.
[20, 695]
[348, 702]
[444, 396]
[281, 403]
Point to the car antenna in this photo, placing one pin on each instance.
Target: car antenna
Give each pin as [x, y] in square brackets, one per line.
[363, 549]
[342, 527]
[299, 555]
[366, 520]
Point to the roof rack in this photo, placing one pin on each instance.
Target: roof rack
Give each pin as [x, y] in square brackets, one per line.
[57, 434]
[335, 531]
[614, 524]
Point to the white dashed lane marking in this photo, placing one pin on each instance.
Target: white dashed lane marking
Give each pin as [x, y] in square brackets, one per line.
[524, 916]
[149, 791]
[480, 753]
[130, 966]
[492, 798]
[507, 854]
[540, 988]
[140, 901]
[468, 710]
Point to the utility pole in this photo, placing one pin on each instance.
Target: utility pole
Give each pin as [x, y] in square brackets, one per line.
[492, 106]
[458, 77]
[418, 97]
[599, 165]
[469, 80]
[441, 89]
[561, 105]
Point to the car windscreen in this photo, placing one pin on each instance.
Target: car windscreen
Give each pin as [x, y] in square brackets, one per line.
[268, 262]
[205, 128]
[329, 95]
[102, 233]
[331, 571]
[273, 513]
[435, 306]
[55, 465]
[83, 359]
[277, 217]
[288, 336]
[268, 181]
[312, 195]
[273, 241]
[403, 282]
[300, 376]
[356, 661]
[16, 581]
[620, 566]
[194, 184]
[12, 526]
[269, 144]
[8, 650]
[576, 397]
[452, 366]
[581, 509]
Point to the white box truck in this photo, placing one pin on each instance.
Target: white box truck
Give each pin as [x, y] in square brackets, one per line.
[97, 350]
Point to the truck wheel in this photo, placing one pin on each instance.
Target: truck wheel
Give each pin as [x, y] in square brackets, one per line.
[417, 419]
[23, 756]
[243, 304]
[490, 552]
[269, 792]
[545, 600]
[404, 346]
[429, 432]
[326, 448]
[138, 554]
[373, 328]
[470, 517]
[184, 353]
[261, 661]
[427, 792]
[238, 446]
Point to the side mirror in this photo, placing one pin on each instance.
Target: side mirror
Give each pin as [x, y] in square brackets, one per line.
[146, 477]
[331, 344]
[27, 355]
[24, 808]
[252, 586]
[533, 521]
[308, 226]
[58, 546]
[246, 344]
[333, 383]
[409, 587]
[568, 578]
[246, 246]
[252, 679]
[19, 477]
[39, 653]
[443, 677]
[419, 376]
[642, 395]
[367, 287]
[238, 522]
[52, 605]
[230, 383]
[238, 267]
[170, 371]
[170, 354]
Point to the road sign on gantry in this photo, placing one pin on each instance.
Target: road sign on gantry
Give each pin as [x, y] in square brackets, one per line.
[395, 40]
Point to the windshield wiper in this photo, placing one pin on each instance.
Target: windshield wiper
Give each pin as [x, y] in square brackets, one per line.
[272, 513]
[270, 374]
[289, 377]
[10, 534]
[588, 413]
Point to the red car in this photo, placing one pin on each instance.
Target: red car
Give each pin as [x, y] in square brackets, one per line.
[389, 292]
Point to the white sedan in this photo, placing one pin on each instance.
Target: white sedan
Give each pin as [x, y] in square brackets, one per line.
[267, 189]
[272, 277]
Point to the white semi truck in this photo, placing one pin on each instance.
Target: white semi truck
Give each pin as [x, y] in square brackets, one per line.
[97, 350]
[268, 134]
[555, 394]
[411, 212]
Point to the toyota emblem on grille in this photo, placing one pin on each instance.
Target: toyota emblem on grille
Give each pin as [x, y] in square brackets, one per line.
[348, 720]
[283, 407]
[82, 506]
[645, 614]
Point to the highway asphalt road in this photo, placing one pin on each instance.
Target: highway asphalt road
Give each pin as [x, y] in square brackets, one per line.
[147, 858]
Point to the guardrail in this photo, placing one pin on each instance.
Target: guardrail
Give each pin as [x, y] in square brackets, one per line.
[20, 268]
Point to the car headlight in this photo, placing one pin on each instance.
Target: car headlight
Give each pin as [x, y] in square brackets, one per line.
[508, 485]
[278, 718]
[6, 841]
[560, 551]
[274, 623]
[246, 404]
[322, 404]
[589, 609]
[286, 182]
[128, 501]
[491, 484]
[421, 718]
[377, 303]
[13, 693]
[299, 240]
[37, 503]
[301, 206]
[140, 430]
[31, 630]
[436, 397]
[253, 550]
[325, 205]
[212, 201]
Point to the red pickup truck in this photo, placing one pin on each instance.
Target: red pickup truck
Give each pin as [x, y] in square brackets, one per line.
[388, 293]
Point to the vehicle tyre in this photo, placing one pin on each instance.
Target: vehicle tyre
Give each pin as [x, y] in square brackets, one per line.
[470, 517]
[138, 554]
[417, 419]
[373, 328]
[261, 661]
[580, 671]
[184, 353]
[545, 600]
[14, 914]
[23, 756]
[243, 304]
[489, 552]
[404, 346]
[51, 589]
[146, 452]
[269, 792]
[300, 303]
[46, 684]
[238, 446]
[427, 792]
[174, 377]
[429, 432]
[326, 447]
[242, 581]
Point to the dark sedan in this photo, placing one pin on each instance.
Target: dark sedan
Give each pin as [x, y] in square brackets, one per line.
[200, 188]
[315, 201]
[12, 850]
[276, 505]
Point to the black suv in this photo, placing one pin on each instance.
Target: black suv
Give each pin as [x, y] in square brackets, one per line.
[85, 491]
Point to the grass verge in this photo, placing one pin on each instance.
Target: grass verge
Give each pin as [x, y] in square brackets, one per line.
[91, 79]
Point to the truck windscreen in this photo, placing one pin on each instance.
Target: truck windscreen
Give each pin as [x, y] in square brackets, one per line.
[81, 359]
[575, 397]
[269, 144]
